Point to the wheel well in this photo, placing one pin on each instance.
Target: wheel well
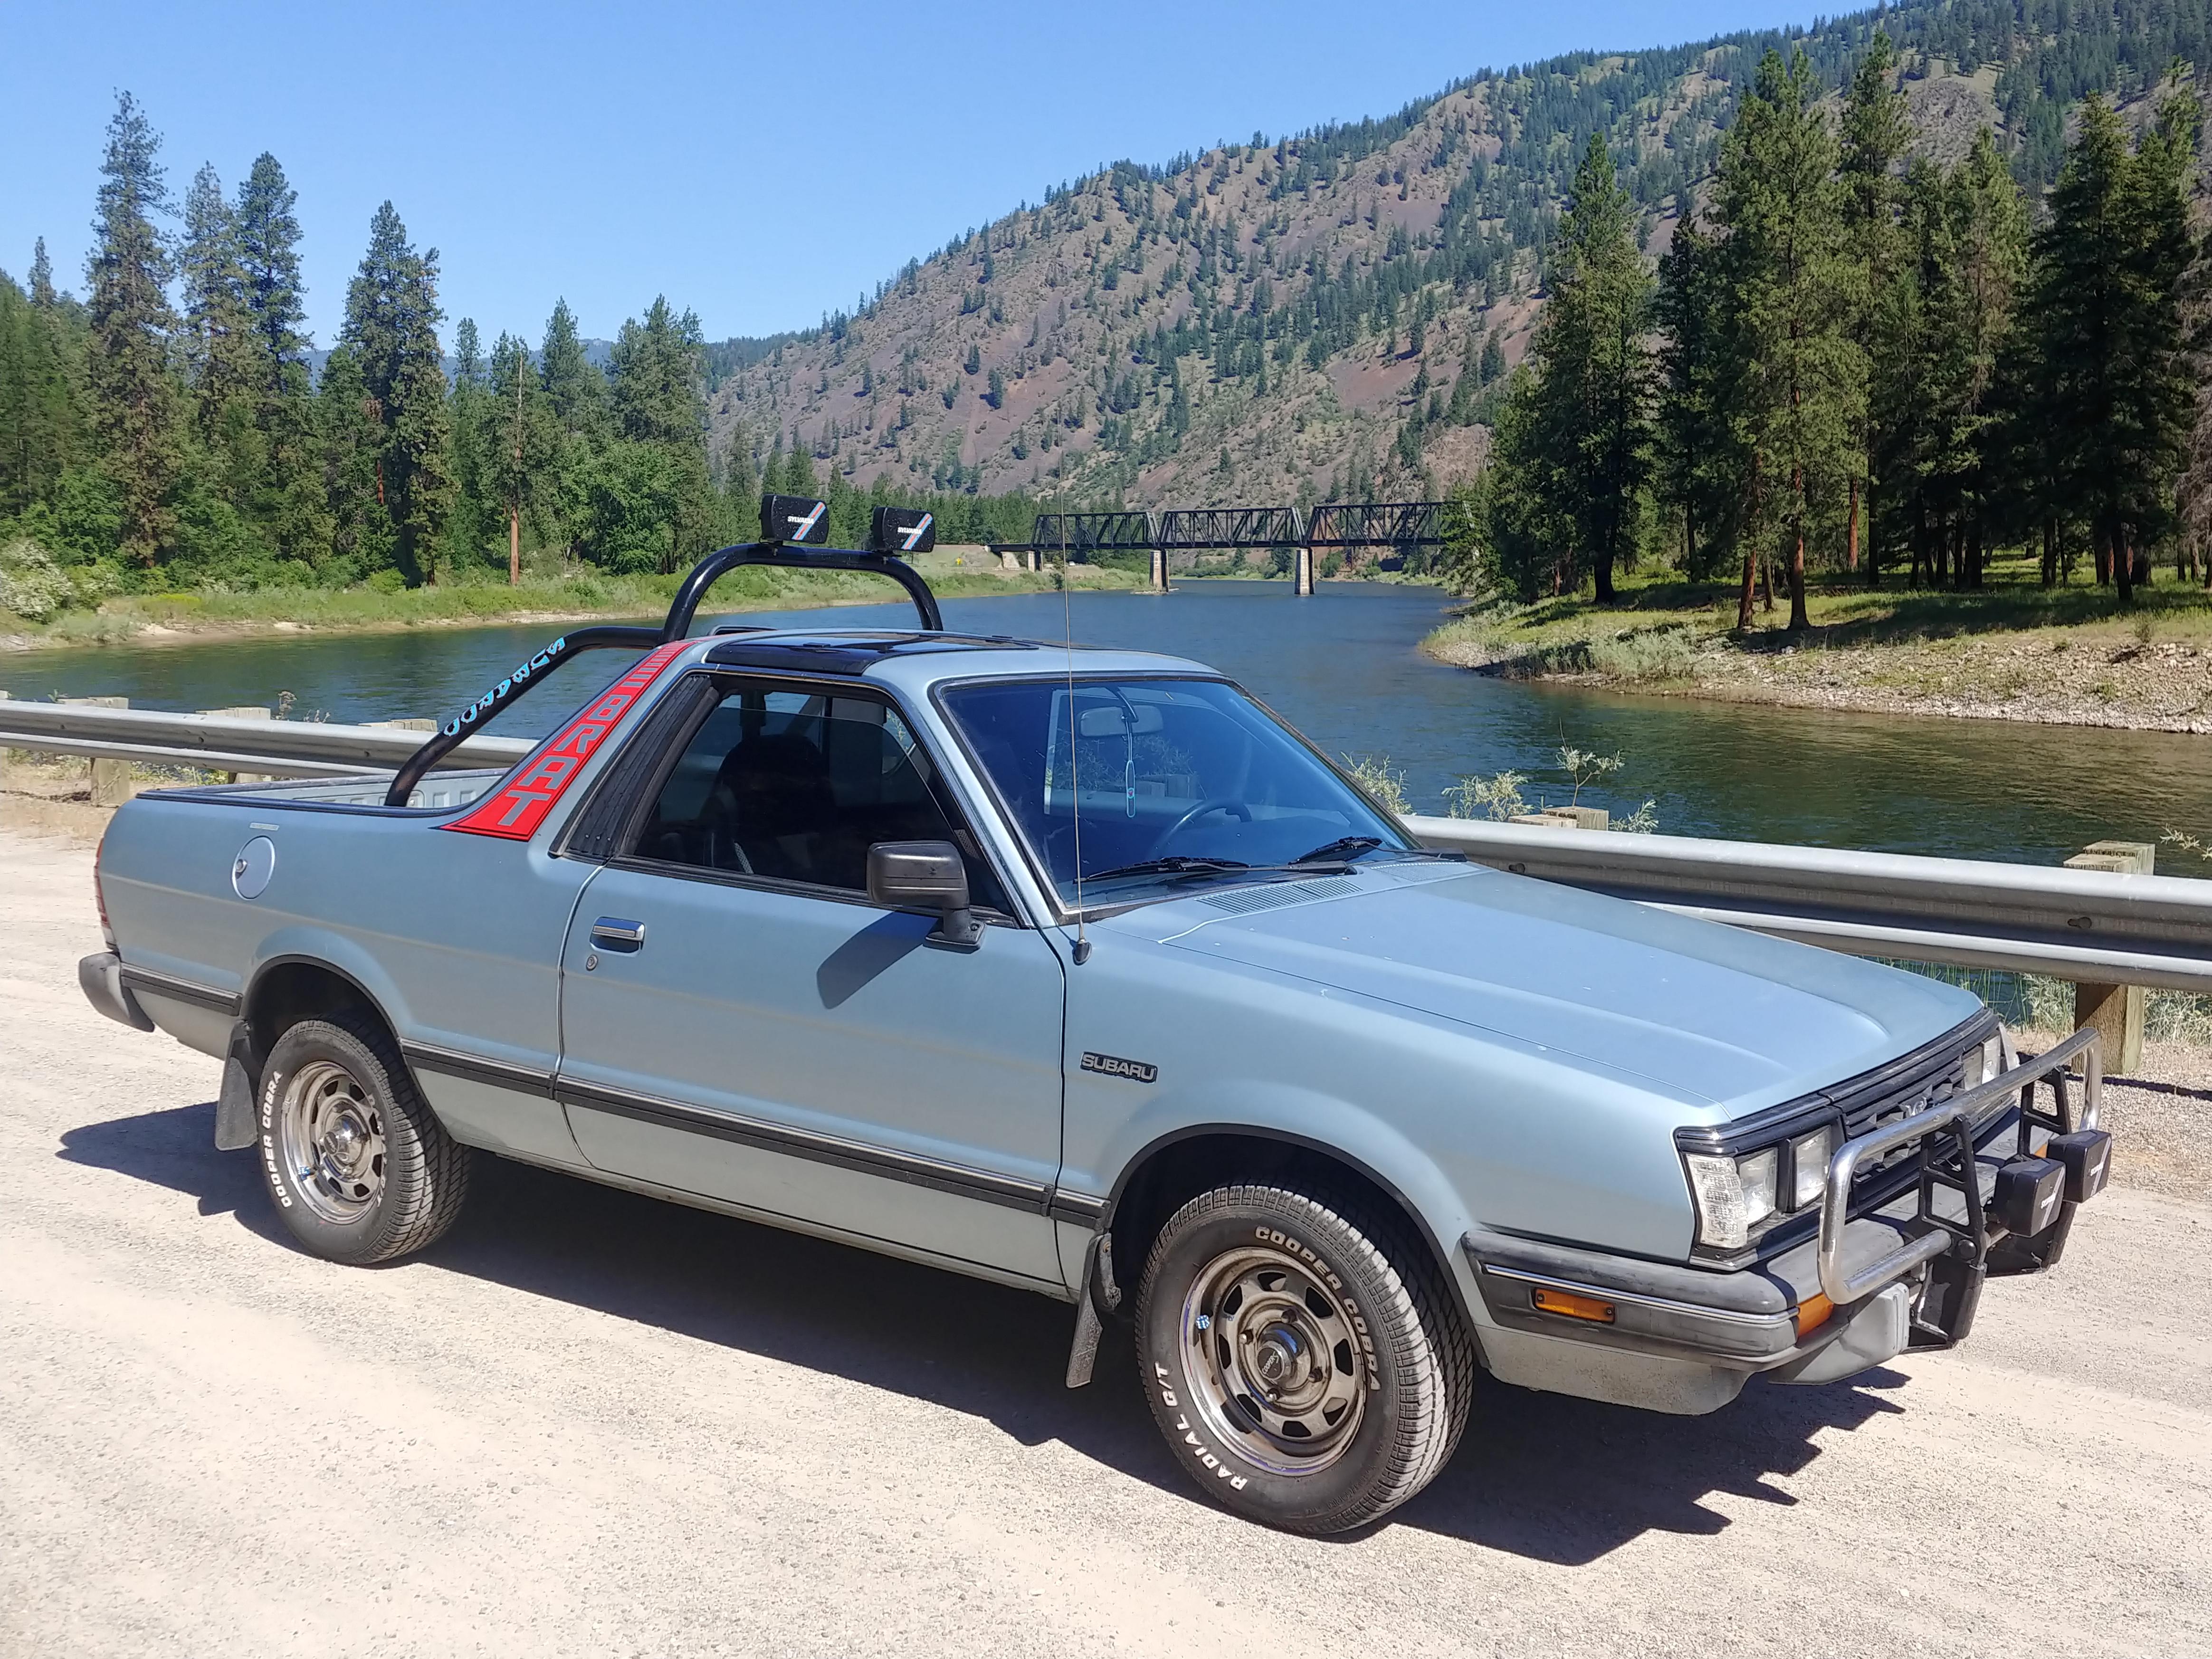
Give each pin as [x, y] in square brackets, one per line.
[290, 992]
[1170, 1175]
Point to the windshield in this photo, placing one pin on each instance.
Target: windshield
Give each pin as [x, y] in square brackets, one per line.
[1179, 780]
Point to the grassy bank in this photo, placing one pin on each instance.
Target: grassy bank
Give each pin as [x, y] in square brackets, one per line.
[2013, 650]
[170, 618]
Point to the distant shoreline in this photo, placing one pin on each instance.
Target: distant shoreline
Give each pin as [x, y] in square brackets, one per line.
[162, 620]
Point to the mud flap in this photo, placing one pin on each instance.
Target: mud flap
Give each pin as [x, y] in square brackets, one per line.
[236, 1128]
[1098, 1289]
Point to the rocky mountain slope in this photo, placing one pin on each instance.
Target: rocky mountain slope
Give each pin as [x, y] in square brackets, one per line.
[1310, 319]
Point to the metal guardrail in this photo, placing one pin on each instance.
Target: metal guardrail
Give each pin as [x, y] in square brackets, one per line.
[2081, 925]
[276, 749]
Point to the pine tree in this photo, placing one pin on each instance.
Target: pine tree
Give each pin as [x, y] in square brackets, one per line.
[42, 366]
[2109, 267]
[1590, 394]
[391, 327]
[133, 393]
[290, 497]
[573, 385]
[1704, 461]
[1877, 130]
[1779, 197]
[657, 377]
[218, 345]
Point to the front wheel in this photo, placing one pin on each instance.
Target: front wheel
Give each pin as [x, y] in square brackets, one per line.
[360, 1170]
[1302, 1360]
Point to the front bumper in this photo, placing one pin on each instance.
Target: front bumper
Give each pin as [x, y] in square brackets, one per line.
[1903, 1273]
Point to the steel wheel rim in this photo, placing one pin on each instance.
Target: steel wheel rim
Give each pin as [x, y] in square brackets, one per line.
[331, 1136]
[1273, 1360]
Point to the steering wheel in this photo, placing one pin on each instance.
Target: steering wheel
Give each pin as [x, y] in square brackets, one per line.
[1213, 804]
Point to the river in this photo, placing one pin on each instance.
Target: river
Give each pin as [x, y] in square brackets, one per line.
[1344, 667]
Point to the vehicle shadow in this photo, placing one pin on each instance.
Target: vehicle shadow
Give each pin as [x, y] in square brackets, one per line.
[1556, 1480]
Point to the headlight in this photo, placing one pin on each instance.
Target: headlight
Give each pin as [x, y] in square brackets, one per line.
[1808, 1160]
[1733, 1195]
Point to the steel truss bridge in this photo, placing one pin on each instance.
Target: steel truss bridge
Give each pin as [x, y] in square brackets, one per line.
[1392, 525]
[1192, 529]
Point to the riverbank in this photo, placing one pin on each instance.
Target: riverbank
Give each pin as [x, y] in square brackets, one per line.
[2014, 651]
[175, 618]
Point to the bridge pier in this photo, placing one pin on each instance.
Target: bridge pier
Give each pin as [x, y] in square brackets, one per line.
[1159, 570]
[1302, 579]
[1037, 560]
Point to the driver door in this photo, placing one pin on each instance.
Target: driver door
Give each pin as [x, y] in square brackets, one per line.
[740, 1022]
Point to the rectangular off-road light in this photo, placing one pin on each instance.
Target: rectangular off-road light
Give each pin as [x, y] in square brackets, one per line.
[794, 518]
[904, 531]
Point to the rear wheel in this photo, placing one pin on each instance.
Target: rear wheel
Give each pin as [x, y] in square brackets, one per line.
[360, 1170]
[1302, 1358]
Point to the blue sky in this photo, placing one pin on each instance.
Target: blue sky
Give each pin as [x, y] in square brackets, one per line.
[759, 165]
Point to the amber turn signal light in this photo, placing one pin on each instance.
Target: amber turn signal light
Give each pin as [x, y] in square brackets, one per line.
[1573, 1306]
[1814, 1311]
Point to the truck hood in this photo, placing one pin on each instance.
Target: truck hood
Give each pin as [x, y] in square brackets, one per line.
[1706, 1013]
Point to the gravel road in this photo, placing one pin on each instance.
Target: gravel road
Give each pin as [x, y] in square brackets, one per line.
[590, 1423]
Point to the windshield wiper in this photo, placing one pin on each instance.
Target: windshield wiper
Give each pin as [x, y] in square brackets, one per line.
[1175, 865]
[1342, 850]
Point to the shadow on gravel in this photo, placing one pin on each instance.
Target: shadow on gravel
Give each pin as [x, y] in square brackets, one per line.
[1543, 1476]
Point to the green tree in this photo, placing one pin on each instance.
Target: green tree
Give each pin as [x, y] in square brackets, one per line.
[1704, 468]
[391, 327]
[2113, 372]
[42, 360]
[1877, 130]
[217, 339]
[290, 498]
[133, 392]
[1592, 390]
[657, 379]
[1804, 386]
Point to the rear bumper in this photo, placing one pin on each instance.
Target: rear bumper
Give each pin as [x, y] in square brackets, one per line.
[1679, 1338]
[99, 976]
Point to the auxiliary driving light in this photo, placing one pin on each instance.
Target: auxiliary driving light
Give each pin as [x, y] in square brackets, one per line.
[2029, 1195]
[2086, 1156]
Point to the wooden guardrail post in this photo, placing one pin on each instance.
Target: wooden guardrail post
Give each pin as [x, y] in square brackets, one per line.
[111, 779]
[2117, 1011]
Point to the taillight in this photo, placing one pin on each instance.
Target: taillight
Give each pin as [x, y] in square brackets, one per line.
[98, 898]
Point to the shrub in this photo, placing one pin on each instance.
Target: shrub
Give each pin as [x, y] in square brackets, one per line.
[1386, 788]
[31, 584]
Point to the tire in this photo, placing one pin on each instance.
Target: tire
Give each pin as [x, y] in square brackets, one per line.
[1304, 1361]
[358, 1167]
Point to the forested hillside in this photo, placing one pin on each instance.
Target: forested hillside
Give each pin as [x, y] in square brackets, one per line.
[1338, 314]
[1325, 315]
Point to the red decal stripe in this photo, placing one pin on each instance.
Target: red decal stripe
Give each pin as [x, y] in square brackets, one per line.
[515, 811]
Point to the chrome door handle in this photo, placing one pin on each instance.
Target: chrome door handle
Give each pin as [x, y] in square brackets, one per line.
[614, 934]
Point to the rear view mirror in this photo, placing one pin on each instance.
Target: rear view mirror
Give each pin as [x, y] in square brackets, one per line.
[924, 875]
[1112, 720]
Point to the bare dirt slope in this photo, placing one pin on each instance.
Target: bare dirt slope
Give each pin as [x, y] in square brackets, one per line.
[589, 1424]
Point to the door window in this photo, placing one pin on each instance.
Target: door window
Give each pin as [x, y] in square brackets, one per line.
[795, 784]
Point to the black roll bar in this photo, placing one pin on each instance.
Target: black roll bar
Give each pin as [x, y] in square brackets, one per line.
[454, 731]
[625, 637]
[715, 566]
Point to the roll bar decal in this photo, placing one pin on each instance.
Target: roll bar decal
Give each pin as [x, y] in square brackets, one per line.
[514, 811]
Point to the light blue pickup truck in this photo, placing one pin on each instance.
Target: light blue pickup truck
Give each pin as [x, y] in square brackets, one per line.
[1077, 970]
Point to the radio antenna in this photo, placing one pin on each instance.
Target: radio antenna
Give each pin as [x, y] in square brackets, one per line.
[1074, 779]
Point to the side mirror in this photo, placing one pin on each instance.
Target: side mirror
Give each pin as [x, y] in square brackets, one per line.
[924, 875]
